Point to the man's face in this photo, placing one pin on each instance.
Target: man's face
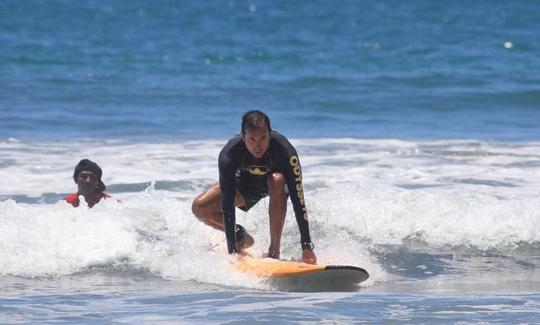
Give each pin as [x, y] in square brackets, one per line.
[257, 141]
[87, 182]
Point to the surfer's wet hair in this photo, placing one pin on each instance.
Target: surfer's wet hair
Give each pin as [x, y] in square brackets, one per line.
[255, 119]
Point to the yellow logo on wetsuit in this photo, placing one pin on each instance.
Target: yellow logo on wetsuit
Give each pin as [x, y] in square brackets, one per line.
[258, 170]
[297, 171]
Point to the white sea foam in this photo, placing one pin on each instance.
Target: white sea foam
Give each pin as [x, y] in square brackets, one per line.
[359, 193]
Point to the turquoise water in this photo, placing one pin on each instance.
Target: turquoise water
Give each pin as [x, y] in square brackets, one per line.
[416, 123]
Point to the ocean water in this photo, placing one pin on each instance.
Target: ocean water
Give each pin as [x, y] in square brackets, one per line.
[416, 124]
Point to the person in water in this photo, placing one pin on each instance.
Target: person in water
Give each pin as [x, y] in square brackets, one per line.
[87, 175]
[257, 163]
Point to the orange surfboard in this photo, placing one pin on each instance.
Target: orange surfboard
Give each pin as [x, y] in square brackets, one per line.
[298, 276]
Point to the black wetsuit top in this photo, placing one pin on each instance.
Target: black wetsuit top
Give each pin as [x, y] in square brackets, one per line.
[236, 161]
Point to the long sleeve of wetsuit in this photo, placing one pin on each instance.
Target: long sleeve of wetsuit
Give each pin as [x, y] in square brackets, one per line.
[228, 192]
[293, 173]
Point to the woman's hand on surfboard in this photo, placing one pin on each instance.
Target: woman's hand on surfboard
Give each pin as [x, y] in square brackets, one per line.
[308, 256]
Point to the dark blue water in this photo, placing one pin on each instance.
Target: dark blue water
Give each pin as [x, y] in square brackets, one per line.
[184, 69]
[179, 70]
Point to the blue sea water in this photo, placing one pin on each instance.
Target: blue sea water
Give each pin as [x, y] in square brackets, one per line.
[352, 68]
[416, 122]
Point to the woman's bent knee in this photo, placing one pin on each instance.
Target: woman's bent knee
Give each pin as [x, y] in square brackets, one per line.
[196, 207]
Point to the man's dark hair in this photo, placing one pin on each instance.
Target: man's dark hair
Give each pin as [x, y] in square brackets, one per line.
[255, 119]
[88, 165]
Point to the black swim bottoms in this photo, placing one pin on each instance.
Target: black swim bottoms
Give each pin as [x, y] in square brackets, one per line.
[252, 189]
